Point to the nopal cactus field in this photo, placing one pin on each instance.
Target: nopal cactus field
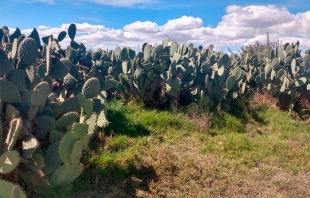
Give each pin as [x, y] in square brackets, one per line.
[53, 100]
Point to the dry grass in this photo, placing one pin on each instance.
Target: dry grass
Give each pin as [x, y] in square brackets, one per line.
[263, 100]
[202, 121]
[182, 170]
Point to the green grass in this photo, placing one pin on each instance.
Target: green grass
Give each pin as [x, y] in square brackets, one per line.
[158, 153]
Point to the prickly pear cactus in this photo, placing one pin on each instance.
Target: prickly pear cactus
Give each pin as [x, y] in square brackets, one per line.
[46, 99]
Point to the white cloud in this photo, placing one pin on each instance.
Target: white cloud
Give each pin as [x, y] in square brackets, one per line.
[183, 23]
[238, 27]
[43, 27]
[142, 27]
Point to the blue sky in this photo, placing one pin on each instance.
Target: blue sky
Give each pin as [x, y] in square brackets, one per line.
[108, 23]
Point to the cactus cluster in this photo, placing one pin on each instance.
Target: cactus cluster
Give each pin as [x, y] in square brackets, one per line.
[53, 100]
[177, 73]
[50, 107]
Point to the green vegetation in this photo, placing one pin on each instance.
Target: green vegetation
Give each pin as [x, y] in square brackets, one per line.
[172, 120]
[173, 156]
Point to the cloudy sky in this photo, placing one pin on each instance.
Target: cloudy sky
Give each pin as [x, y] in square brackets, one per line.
[111, 23]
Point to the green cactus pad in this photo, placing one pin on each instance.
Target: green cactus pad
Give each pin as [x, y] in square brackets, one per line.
[28, 51]
[284, 85]
[35, 163]
[301, 81]
[71, 104]
[29, 145]
[91, 88]
[158, 51]
[40, 93]
[105, 85]
[306, 61]
[102, 120]
[45, 122]
[5, 65]
[75, 73]
[14, 49]
[32, 78]
[48, 111]
[91, 73]
[175, 58]
[275, 65]
[48, 59]
[59, 70]
[35, 35]
[281, 74]
[72, 31]
[125, 67]
[55, 45]
[147, 52]
[1, 132]
[98, 106]
[230, 83]
[52, 160]
[165, 42]
[65, 147]
[67, 63]
[268, 69]
[72, 54]
[131, 54]
[85, 142]
[203, 102]
[36, 180]
[69, 80]
[124, 54]
[74, 45]
[32, 112]
[76, 153]
[78, 88]
[80, 130]
[17, 77]
[67, 119]
[86, 104]
[66, 174]
[9, 92]
[96, 56]
[237, 72]
[171, 91]
[173, 48]
[220, 94]
[55, 136]
[92, 124]
[103, 97]
[8, 161]
[61, 36]
[175, 85]
[9, 190]
[158, 69]
[1, 34]
[117, 52]
[15, 128]
[11, 112]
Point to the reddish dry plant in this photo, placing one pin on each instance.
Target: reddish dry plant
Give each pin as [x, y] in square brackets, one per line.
[201, 120]
[262, 100]
[303, 100]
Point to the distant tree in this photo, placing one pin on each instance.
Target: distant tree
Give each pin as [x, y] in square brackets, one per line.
[259, 47]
